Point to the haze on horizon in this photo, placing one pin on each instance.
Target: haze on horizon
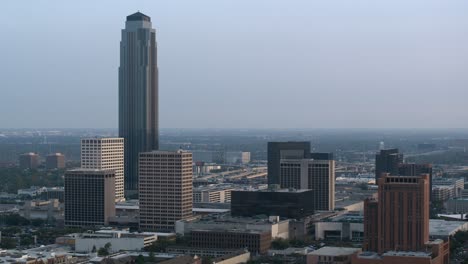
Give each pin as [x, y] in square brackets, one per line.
[242, 64]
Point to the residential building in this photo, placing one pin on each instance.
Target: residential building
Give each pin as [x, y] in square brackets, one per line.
[29, 160]
[89, 197]
[165, 189]
[138, 93]
[105, 154]
[55, 161]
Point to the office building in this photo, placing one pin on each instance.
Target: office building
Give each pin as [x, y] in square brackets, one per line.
[138, 93]
[286, 203]
[165, 189]
[29, 160]
[105, 154]
[402, 209]
[284, 150]
[257, 242]
[332, 255]
[413, 169]
[212, 194]
[387, 161]
[89, 197]
[55, 161]
[317, 175]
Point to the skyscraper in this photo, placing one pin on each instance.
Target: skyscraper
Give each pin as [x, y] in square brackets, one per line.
[165, 189]
[316, 175]
[105, 154]
[138, 93]
[399, 220]
[284, 150]
[414, 169]
[387, 161]
[89, 197]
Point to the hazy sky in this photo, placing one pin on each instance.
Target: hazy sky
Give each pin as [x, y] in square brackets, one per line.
[242, 64]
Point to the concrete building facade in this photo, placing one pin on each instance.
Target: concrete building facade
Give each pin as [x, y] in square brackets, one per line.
[29, 160]
[105, 154]
[165, 189]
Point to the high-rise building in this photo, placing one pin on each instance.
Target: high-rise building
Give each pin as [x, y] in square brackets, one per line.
[55, 161]
[105, 154]
[400, 216]
[284, 150]
[387, 161]
[413, 169]
[165, 189]
[317, 175]
[89, 197]
[138, 93]
[29, 160]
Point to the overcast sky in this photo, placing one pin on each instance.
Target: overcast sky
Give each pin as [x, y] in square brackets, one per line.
[242, 64]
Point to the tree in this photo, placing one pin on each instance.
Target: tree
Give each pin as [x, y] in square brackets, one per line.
[151, 257]
[140, 259]
[94, 249]
[280, 243]
[102, 252]
[8, 243]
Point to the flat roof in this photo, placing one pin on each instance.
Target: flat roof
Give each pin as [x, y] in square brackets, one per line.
[334, 251]
[438, 227]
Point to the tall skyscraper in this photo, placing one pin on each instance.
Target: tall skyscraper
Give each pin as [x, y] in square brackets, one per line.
[317, 175]
[105, 154]
[284, 150]
[387, 161]
[165, 189]
[89, 197]
[400, 217]
[138, 93]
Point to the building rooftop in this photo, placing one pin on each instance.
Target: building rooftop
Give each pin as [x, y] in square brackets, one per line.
[446, 228]
[334, 251]
[419, 254]
[138, 16]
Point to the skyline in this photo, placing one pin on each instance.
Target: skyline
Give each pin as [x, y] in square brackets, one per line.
[408, 58]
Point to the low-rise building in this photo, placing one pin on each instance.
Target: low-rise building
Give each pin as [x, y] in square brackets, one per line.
[276, 227]
[44, 210]
[257, 242]
[286, 203]
[332, 255]
[436, 252]
[212, 194]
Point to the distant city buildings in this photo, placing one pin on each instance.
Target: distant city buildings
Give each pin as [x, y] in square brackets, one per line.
[221, 157]
[138, 93]
[212, 194]
[165, 191]
[29, 160]
[89, 197]
[105, 154]
[55, 161]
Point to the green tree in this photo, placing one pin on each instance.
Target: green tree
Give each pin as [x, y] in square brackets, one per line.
[140, 259]
[151, 257]
[279, 243]
[8, 243]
